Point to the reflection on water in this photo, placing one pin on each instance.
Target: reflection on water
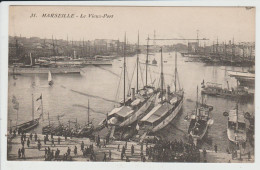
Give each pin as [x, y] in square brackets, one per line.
[102, 83]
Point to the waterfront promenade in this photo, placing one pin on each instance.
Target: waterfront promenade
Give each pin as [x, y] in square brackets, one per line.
[33, 154]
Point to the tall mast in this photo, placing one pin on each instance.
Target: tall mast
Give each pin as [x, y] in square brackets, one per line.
[197, 50]
[32, 107]
[88, 111]
[146, 63]
[204, 48]
[124, 67]
[137, 61]
[237, 116]
[225, 49]
[42, 107]
[49, 119]
[161, 75]
[175, 74]
[233, 48]
[217, 46]
[197, 100]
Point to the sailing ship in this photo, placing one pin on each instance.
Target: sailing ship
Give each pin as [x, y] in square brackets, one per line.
[50, 81]
[236, 126]
[122, 119]
[165, 110]
[27, 126]
[200, 121]
[86, 130]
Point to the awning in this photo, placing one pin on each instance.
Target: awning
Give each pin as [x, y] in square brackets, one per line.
[124, 111]
[158, 112]
[115, 110]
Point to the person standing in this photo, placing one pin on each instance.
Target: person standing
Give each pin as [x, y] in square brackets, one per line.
[23, 143]
[122, 155]
[105, 157]
[31, 135]
[68, 151]
[132, 150]
[23, 152]
[19, 153]
[118, 147]
[28, 142]
[204, 153]
[24, 137]
[82, 146]
[39, 145]
[110, 154]
[75, 150]
[58, 140]
[45, 152]
[216, 148]
[44, 140]
[123, 149]
[52, 142]
[35, 137]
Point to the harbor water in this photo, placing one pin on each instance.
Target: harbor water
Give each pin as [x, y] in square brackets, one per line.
[103, 87]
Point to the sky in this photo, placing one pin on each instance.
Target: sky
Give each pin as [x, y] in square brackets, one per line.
[222, 23]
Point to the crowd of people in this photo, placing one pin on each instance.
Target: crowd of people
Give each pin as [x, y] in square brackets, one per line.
[173, 151]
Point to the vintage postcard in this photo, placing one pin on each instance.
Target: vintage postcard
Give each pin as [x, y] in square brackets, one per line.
[131, 84]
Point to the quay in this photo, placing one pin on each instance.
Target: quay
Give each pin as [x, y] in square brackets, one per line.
[32, 153]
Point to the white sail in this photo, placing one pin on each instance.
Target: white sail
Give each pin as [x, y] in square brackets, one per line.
[49, 77]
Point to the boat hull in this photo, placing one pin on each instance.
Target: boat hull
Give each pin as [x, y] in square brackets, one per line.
[27, 126]
[241, 137]
[42, 70]
[166, 121]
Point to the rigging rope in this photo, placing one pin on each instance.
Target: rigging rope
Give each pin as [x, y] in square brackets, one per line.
[107, 70]
[141, 75]
[129, 85]
[118, 87]
[132, 78]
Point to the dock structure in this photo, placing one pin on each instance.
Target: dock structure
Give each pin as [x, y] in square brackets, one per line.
[32, 153]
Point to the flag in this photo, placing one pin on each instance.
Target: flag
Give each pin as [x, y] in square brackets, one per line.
[40, 98]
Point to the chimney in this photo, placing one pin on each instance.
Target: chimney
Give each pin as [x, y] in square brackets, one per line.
[132, 94]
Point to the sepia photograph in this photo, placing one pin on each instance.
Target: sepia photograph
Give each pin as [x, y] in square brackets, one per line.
[131, 84]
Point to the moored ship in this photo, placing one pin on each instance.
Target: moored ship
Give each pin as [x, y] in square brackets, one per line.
[165, 110]
[200, 121]
[43, 70]
[215, 89]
